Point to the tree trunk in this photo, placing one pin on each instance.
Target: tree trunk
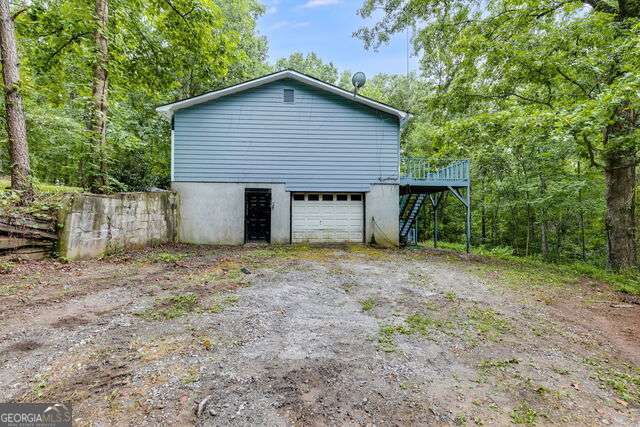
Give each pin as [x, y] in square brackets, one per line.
[16, 126]
[99, 107]
[620, 183]
[544, 242]
[483, 217]
[583, 246]
[620, 180]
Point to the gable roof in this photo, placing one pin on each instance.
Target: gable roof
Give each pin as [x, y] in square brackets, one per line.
[167, 110]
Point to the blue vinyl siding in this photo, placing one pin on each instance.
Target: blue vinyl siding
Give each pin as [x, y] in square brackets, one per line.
[320, 142]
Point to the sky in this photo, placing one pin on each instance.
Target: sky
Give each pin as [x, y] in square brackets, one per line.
[326, 27]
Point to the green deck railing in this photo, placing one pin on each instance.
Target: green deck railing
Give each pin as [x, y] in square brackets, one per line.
[415, 168]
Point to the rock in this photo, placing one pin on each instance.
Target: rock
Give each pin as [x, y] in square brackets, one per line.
[245, 270]
[202, 405]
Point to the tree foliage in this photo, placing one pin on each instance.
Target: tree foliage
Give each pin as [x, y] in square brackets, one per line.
[159, 51]
[311, 64]
[530, 90]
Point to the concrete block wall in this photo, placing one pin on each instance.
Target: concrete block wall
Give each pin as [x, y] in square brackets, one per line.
[213, 213]
[382, 215]
[93, 225]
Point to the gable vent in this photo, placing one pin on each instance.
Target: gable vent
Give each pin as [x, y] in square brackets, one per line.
[288, 95]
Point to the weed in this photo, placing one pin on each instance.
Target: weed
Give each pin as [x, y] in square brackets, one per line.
[625, 382]
[369, 251]
[6, 290]
[167, 257]
[417, 323]
[523, 414]
[6, 267]
[368, 304]
[171, 307]
[536, 272]
[386, 342]
[488, 322]
[219, 305]
[501, 364]
[191, 376]
[41, 385]
[206, 343]
[561, 371]
[420, 279]
[460, 420]
[347, 287]
[430, 305]
[451, 296]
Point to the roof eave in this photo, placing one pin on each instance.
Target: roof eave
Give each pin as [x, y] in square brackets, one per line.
[168, 110]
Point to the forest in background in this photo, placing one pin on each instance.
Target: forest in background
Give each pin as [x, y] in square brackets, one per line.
[542, 96]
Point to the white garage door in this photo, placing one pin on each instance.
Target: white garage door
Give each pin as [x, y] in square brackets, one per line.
[327, 217]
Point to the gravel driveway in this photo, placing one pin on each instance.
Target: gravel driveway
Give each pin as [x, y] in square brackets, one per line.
[314, 335]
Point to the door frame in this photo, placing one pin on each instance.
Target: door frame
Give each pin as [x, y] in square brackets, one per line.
[247, 191]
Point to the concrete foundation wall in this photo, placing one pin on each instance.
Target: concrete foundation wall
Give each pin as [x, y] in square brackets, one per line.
[383, 215]
[213, 213]
[93, 225]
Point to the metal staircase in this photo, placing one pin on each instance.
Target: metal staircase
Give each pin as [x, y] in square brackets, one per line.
[420, 178]
[410, 205]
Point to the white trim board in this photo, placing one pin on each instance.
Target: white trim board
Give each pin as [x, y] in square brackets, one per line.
[168, 109]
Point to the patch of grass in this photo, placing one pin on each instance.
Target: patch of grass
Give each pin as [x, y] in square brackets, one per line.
[451, 296]
[347, 287]
[368, 304]
[386, 342]
[418, 323]
[625, 380]
[534, 271]
[41, 385]
[488, 322]
[224, 272]
[369, 251]
[431, 305]
[6, 267]
[501, 364]
[415, 323]
[289, 252]
[44, 187]
[420, 279]
[220, 305]
[561, 371]
[191, 376]
[206, 343]
[523, 414]
[167, 257]
[6, 290]
[48, 199]
[460, 420]
[171, 307]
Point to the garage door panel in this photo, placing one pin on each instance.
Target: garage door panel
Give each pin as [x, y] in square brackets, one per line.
[322, 221]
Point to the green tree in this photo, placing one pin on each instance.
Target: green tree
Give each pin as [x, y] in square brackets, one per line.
[14, 112]
[311, 65]
[570, 67]
[158, 51]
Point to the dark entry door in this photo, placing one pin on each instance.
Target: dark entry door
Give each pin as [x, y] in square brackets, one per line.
[257, 214]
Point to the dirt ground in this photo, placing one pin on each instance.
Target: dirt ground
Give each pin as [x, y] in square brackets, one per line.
[314, 336]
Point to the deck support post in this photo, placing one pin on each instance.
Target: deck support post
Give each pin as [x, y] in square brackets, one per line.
[468, 219]
[435, 201]
[466, 201]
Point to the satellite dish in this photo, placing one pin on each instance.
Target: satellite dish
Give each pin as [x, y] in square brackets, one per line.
[358, 80]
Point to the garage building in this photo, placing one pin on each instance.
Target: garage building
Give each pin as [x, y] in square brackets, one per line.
[285, 158]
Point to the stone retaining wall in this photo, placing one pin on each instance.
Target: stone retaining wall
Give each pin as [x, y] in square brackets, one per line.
[94, 225]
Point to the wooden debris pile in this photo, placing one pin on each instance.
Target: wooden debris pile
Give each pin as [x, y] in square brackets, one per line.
[26, 236]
